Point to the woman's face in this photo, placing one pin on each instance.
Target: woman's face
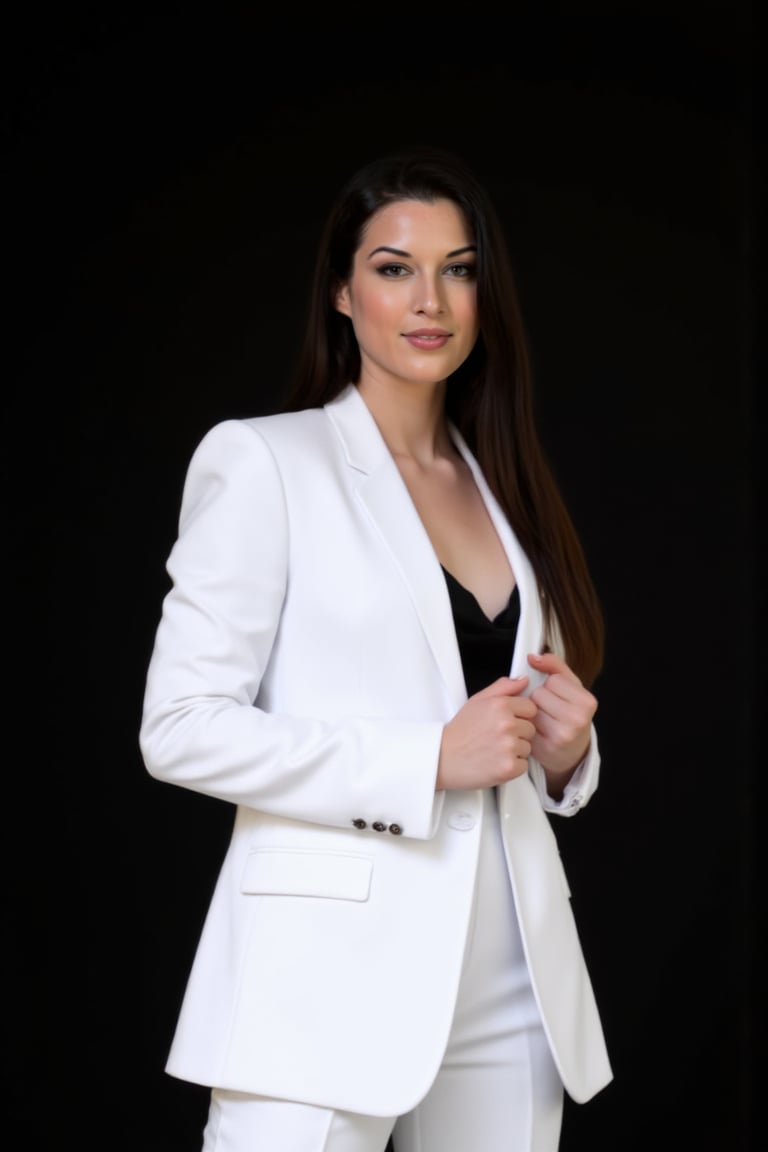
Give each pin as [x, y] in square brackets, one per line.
[412, 293]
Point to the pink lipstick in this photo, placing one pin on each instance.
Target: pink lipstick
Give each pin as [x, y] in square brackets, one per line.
[427, 339]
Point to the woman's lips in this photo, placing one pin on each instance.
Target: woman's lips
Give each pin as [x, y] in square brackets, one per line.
[427, 339]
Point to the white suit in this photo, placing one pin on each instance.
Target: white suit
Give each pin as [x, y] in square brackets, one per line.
[304, 667]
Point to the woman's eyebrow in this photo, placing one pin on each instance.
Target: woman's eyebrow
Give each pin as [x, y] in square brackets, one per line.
[400, 252]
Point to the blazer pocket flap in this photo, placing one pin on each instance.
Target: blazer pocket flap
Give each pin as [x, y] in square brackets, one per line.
[287, 872]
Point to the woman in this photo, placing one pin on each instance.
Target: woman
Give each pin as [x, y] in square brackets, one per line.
[378, 646]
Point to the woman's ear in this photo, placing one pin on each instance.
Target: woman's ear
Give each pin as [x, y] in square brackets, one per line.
[341, 299]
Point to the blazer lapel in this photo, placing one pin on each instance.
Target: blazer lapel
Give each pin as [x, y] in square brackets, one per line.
[525, 825]
[530, 632]
[384, 495]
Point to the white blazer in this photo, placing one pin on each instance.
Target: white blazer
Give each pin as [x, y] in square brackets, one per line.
[303, 669]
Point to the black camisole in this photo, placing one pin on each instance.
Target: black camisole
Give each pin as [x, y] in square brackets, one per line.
[485, 645]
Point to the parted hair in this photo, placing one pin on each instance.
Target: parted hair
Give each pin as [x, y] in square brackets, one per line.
[490, 396]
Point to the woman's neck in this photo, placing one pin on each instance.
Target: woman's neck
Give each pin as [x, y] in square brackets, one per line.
[411, 419]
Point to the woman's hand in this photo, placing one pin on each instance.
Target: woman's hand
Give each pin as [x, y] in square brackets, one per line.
[490, 738]
[563, 717]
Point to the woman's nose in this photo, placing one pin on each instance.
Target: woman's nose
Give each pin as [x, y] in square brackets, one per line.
[429, 297]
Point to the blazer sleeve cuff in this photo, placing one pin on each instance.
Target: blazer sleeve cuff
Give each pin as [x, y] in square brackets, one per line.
[579, 789]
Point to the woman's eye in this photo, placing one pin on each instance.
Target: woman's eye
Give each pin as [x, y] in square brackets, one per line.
[393, 270]
[462, 271]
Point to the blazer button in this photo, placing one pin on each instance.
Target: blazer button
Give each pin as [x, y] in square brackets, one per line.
[378, 826]
[395, 829]
[359, 823]
[461, 820]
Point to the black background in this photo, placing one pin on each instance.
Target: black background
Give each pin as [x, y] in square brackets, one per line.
[169, 170]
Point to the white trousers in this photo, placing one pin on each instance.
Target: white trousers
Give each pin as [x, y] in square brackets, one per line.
[497, 1089]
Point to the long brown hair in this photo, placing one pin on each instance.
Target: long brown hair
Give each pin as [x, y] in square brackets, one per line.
[489, 398]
